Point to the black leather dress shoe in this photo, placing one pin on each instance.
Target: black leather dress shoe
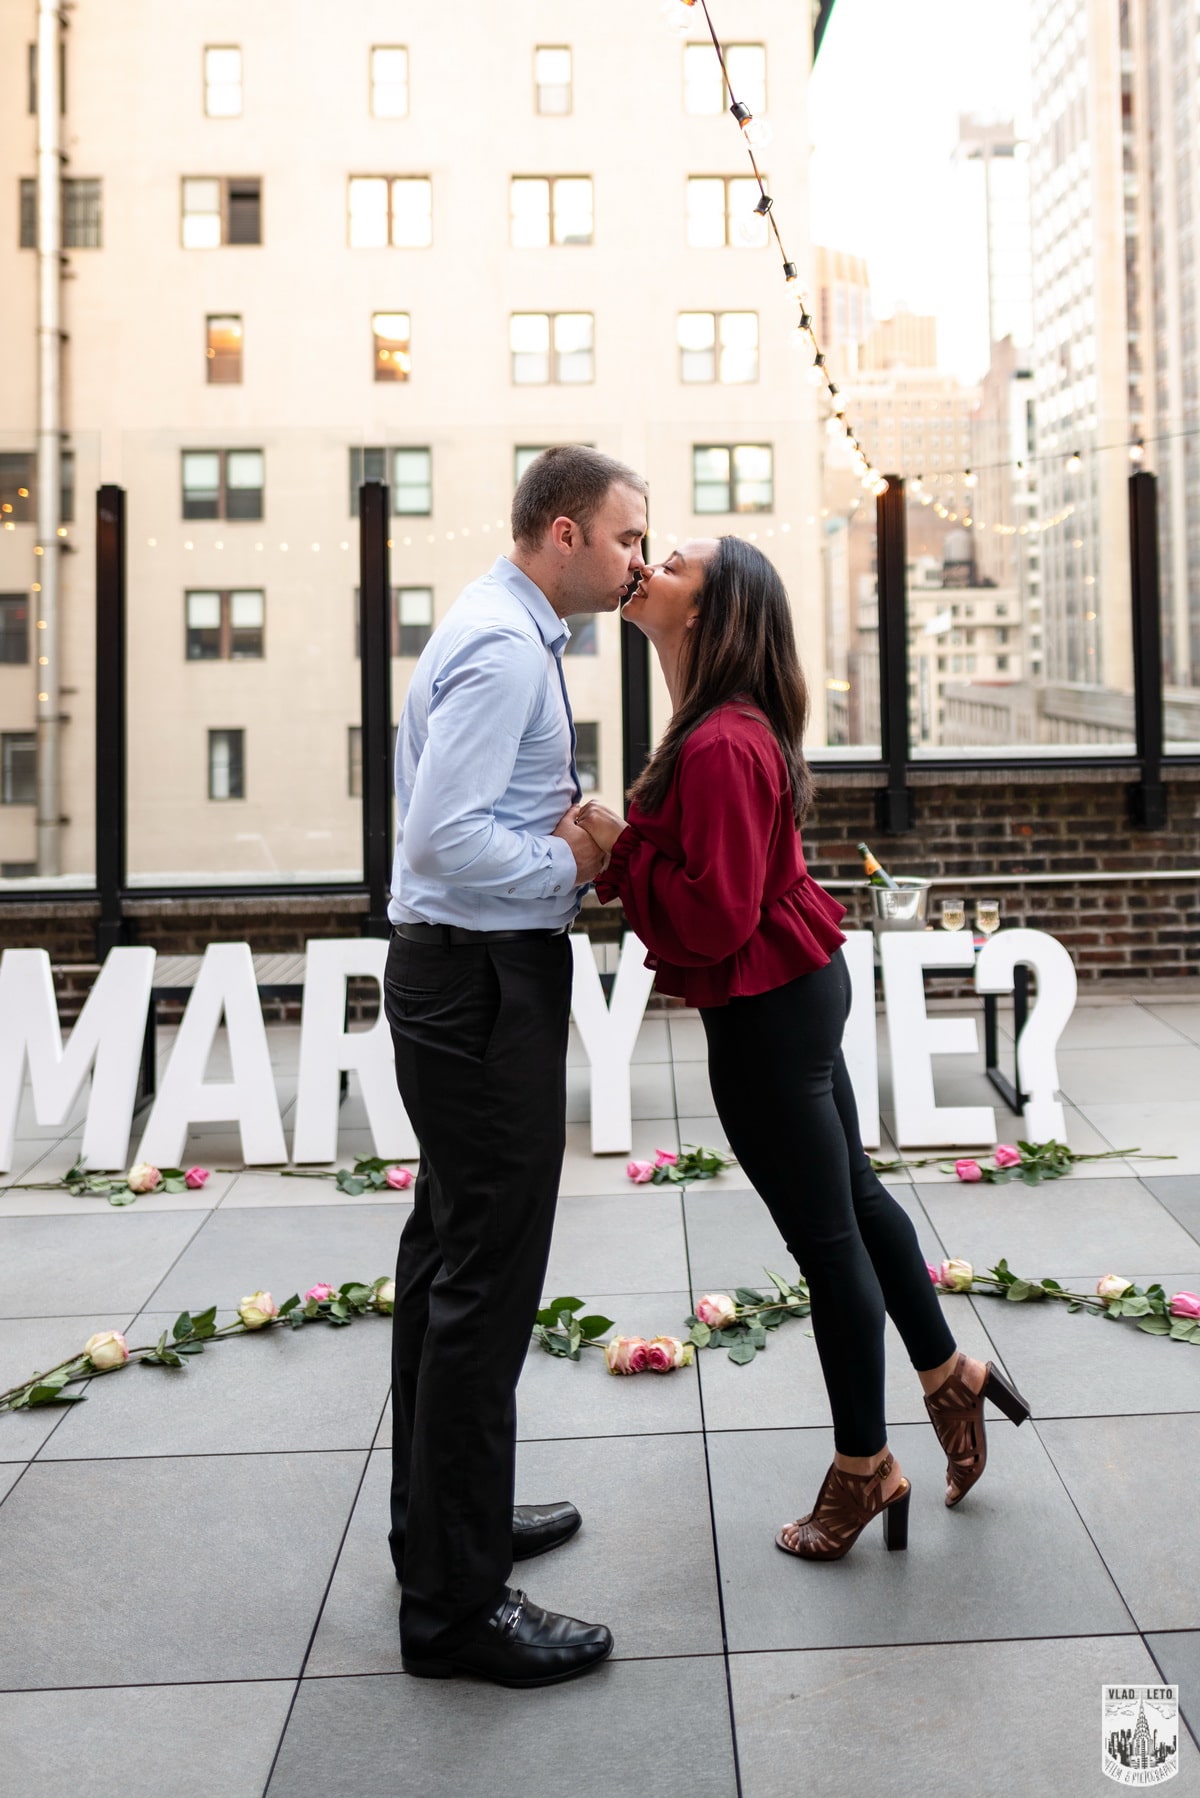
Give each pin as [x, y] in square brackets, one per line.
[521, 1645]
[537, 1528]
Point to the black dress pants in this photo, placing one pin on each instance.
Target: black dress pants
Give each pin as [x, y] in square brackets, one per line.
[480, 1038]
[784, 1097]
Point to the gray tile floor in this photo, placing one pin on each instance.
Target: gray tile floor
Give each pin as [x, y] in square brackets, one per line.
[197, 1592]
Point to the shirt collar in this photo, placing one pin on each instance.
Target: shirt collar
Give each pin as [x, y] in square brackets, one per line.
[554, 630]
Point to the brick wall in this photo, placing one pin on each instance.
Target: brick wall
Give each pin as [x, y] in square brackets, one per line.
[982, 832]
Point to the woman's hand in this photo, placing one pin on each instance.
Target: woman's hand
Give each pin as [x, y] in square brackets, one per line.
[602, 825]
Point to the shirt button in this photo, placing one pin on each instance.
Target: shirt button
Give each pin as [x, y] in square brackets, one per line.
[512, 889]
[558, 889]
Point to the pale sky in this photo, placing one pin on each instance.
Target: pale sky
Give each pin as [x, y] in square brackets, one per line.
[889, 84]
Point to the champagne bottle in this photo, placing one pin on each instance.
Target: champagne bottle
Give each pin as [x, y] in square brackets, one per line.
[877, 875]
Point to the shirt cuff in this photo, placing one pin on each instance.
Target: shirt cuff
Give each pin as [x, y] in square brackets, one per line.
[564, 875]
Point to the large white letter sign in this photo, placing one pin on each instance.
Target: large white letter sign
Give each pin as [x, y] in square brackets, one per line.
[1037, 1060]
[914, 1036]
[226, 984]
[108, 1034]
[609, 1033]
[327, 1047]
[860, 1045]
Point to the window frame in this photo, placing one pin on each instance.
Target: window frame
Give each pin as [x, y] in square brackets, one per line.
[224, 184]
[730, 240]
[554, 356]
[716, 379]
[12, 743]
[389, 452]
[71, 199]
[734, 509]
[225, 626]
[391, 182]
[214, 358]
[539, 87]
[231, 731]
[553, 241]
[712, 112]
[223, 515]
[396, 626]
[18, 633]
[208, 84]
[373, 83]
[592, 756]
[404, 376]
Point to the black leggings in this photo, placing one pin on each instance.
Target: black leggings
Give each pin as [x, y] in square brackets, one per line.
[785, 1100]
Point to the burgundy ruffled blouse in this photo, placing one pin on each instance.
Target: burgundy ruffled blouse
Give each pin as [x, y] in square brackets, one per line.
[714, 883]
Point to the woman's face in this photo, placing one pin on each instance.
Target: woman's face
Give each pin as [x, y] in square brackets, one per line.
[665, 602]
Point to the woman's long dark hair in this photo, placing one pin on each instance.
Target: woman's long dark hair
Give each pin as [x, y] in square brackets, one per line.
[742, 645]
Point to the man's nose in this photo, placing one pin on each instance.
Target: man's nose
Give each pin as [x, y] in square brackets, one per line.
[636, 558]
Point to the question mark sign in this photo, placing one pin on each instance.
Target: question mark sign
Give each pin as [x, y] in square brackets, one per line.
[1037, 1045]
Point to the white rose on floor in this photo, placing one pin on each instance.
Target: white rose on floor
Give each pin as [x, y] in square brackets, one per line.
[257, 1310]
[106, 1349]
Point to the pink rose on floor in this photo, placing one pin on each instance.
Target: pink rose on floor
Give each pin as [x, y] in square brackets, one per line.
[398, 1178]
[956, 1276]
[383, 1296]
[716, 1309]
[195, 1177]
[1185, 1304]
[142, 1177]
[106, 1349]
[664, 1158]
[968, 1170]
[1006, 1155]
[627, 1354]
[258, 1310]
[665, 1353]
[1112, 1286]
[640, 1171]
[321, 1291]
[934, 1273]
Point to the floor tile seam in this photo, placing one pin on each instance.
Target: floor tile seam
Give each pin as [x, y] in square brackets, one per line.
[316, 1624]
[614, 1660]
[64, 1411]
[1100, 1556]
[908, 1423]
[153, 1685]
[712, 1521]
[217, 1454]
[1082, 1635]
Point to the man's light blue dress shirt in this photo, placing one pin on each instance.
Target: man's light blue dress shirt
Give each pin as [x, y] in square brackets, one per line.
[485, 766]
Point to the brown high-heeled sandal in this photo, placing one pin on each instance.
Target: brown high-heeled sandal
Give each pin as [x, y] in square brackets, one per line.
[956, 1413]
[845, 1505]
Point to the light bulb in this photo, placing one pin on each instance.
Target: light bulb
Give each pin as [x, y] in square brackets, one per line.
[1074, 461]
[970, 480]
[816, 374]
[678, 15]
[757, 133]
[1137, 451]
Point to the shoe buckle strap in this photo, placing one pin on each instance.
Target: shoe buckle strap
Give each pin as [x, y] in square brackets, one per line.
[512, 1622]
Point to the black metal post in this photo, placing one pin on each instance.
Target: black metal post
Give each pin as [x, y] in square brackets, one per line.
[635, 697]
[375, 652]
[1148, 796]
[111, 834]
[893, 803]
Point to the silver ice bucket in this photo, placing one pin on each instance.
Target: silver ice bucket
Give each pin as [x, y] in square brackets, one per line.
[902, 910]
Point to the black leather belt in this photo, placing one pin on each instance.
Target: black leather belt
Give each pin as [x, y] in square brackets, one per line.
[450, 936]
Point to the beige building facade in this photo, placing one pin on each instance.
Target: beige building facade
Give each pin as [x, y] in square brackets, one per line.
[300, 250]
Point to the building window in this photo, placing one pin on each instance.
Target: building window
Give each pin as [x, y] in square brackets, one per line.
[409, 473]
[552, 347]
[18, 502]
[412, 620]
[552, 79]
[354, 769]
[704, 89]
[718, 346]
[736, 477]
[587, 756]
[18, 767]
[223, 349]
[389, 82]
[14, 627]
[225, 626]
[227, 764]
[81, 214]
[720, 211]
[221, 210]
[223, 484]
[391, 209]
[584, 640]
[550, 209]
[1002, 664]
[223, 82]
[392, 333]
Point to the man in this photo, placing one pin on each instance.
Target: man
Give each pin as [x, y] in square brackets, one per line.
[489, 873]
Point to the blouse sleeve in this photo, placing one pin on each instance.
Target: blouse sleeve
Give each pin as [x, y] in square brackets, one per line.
[701, 910]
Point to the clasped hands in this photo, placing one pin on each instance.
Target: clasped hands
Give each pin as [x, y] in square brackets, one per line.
[590, 829]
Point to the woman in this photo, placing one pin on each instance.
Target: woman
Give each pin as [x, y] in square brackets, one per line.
[710, 871]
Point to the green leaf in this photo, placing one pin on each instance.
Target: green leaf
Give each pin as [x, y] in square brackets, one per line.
[1051, 1285]
[189, 1348]
[595, 1326]
[757, 1335]
[348, 1184]
[1075, 1305]
[742, 1352]
[700, 1334]
[183, 1325]
[745, 1295]
[1154, 1326]
[122, 1196]
[289, 1304]
[205, 1322]
[1138, 1306]
[1018, 1290]
[179, 1185]
[49, 1394]
[1181, 1329]
[567, 1304]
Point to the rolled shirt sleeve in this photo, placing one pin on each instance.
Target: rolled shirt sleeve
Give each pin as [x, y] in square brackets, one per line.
[482, 703]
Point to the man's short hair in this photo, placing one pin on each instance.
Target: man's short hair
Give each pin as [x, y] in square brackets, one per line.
[568, 481]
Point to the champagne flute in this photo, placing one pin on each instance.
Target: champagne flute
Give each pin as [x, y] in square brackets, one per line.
[987, 916]
[954, 914]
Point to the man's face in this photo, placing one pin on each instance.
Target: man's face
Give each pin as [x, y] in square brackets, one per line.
[602, 569]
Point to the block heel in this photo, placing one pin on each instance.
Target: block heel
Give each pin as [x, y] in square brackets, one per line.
[1004, 1395]
[427, 1667]
[895, 1522]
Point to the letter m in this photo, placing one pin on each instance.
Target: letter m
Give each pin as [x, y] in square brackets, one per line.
[105, 1042]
